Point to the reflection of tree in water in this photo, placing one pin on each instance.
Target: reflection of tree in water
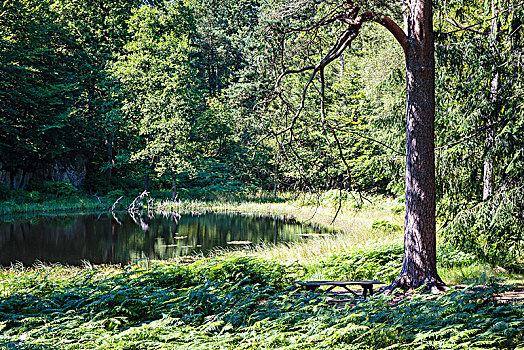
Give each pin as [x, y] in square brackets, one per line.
[121, 238]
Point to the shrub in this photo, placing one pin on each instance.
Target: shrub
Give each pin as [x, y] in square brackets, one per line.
[492, 230]
[385, 226]
[60, 189]
[115, 194]
[378, 262]
[4, 192]
[247, 270]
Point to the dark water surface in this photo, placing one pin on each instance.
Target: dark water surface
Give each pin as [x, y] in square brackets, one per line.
[106, 238]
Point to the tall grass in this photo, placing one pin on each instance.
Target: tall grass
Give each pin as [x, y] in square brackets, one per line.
[55, 205]
[363, 224]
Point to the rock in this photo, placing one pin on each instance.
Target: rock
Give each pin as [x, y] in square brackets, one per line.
[73, 172]
[62, 170]
[17, 179]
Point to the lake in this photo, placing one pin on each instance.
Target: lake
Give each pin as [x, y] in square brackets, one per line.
[119, 238]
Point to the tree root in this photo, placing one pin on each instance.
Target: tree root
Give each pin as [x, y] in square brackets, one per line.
[406, 283]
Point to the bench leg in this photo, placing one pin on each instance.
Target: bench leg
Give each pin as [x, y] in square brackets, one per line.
[350, 291]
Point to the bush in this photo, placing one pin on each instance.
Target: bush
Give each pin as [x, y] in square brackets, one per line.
[60, 189]
[448, 256]
[115, 194]
[385, 226]
[492, 230]
[19, 196]
[247, 270]
[4, 192]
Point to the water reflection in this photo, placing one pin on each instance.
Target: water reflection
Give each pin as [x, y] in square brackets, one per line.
[120, 238]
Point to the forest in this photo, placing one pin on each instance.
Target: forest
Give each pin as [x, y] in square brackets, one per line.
[406, 116]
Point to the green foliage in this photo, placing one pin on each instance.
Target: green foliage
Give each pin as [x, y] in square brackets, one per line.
[160, 95]
[177, 307]
[19, 196]
[248, 270]
[38, 83]
[447, 256]
[385, 225]
[378, 262]
[491, 230]
[49, 203]
[60, 189]
[115, 194]
[478, 122]
[398, 209]
[4, 192]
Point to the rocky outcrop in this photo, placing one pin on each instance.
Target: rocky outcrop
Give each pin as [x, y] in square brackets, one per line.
[72, 171]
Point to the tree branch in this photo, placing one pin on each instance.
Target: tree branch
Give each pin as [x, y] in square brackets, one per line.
[343, 42]
[455, 23]
[390, 25]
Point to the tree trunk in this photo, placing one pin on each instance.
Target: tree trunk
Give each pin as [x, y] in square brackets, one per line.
[419, 262]
[146, 181]
[173, 184]
[488, 176]
[109, 150]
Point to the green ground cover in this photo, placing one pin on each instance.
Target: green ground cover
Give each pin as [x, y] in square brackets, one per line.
[239, 303]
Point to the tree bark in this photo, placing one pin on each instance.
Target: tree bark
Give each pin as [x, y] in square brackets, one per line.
[488, 175]
[173, 184]
[419, 262]
[109, 153]
[146, 181]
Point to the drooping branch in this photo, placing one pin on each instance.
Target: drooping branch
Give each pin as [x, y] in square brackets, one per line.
[344, 41]
[327, 19]
[457, 24]
[500, 12]
[354, 22]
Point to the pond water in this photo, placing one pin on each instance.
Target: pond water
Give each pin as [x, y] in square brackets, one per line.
[120, 238]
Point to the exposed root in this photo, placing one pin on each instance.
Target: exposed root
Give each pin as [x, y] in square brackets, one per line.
[406, 283]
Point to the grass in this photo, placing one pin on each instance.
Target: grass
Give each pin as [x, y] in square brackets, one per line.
[364, 225]
[75, 203]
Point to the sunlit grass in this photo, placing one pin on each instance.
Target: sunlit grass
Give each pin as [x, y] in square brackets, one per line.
[55, 205]
[476, 270]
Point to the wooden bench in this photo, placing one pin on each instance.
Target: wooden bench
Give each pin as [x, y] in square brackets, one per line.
[367, 286]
